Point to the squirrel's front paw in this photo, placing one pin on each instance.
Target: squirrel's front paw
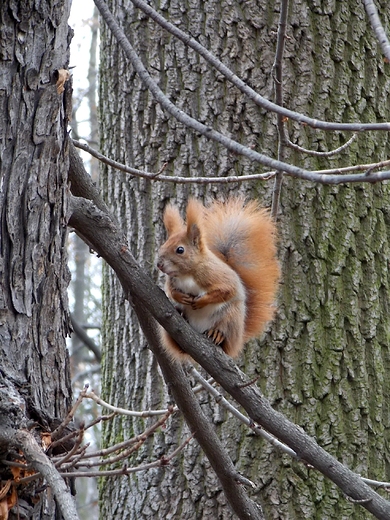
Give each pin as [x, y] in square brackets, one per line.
[187, 299]
[183, 298]
[198, 302]
[215, 335]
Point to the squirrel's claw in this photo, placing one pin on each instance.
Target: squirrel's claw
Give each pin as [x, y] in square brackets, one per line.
[180, 311]
[196, 303]
[215, 335]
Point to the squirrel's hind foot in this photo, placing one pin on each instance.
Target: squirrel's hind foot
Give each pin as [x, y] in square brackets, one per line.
[215, 335]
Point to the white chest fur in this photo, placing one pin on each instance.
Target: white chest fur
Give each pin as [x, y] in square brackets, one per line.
[206, 318]
[187, 285]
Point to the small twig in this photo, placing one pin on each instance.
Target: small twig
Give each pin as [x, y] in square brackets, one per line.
[75, 459]
[27, 480]
[369, 171]
[358, 167]
[70, 453]
[84, 463]
[64, 439]
[124, 411]
[100, 419]
[358, 501]
[13, 464]
[377, 483]
[249, 383]
[56, 434]
[116, 164]
[245, 481]
[322, 154]
[163, 461]
[163, 167]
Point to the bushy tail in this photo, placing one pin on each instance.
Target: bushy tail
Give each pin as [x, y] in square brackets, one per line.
[244, 235]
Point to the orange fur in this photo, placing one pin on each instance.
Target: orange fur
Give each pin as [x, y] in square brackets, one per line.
[221, 269]
[244, 235]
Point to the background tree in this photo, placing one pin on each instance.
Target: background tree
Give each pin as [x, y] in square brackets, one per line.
[328, 347]
[84, 290]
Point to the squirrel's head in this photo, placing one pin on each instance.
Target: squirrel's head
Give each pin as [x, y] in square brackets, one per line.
[185, 244]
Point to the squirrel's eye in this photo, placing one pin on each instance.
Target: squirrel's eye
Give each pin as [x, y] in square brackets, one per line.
[180, 250]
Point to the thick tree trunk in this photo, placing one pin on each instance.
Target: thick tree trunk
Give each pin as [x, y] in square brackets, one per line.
[34, 369]
[323, 362]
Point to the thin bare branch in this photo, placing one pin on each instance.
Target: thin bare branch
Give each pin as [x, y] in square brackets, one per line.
[377, 27]
[56, 434]
[75, 459]
[244, 178]
[278, 85]
[209, 133]
[243, 418]
[323, 154]
[74, 450]
[170, 178]
[356, 168]
[124, 411]
[163, 461]
[64, 439]
[253, 95]
[377, 483]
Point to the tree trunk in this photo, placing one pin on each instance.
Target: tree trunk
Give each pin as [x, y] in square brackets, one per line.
[34, 371]
[324, 360]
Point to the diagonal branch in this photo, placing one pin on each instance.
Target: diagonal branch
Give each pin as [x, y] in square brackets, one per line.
[111, 244]
[87, 340]
[41, 463]
[199, 425]
[184, 396]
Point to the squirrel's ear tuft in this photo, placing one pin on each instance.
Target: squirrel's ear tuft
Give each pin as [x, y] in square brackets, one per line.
[194, 212]
[194, 222]
[172, 219]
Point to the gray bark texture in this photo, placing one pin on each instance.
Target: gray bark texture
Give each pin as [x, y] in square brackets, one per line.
[34, 366]
[324, 360]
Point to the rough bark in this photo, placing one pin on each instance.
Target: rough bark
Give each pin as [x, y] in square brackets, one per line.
[34, 365]
[328, 348]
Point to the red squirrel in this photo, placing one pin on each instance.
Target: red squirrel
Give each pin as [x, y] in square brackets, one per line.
[222, 271]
